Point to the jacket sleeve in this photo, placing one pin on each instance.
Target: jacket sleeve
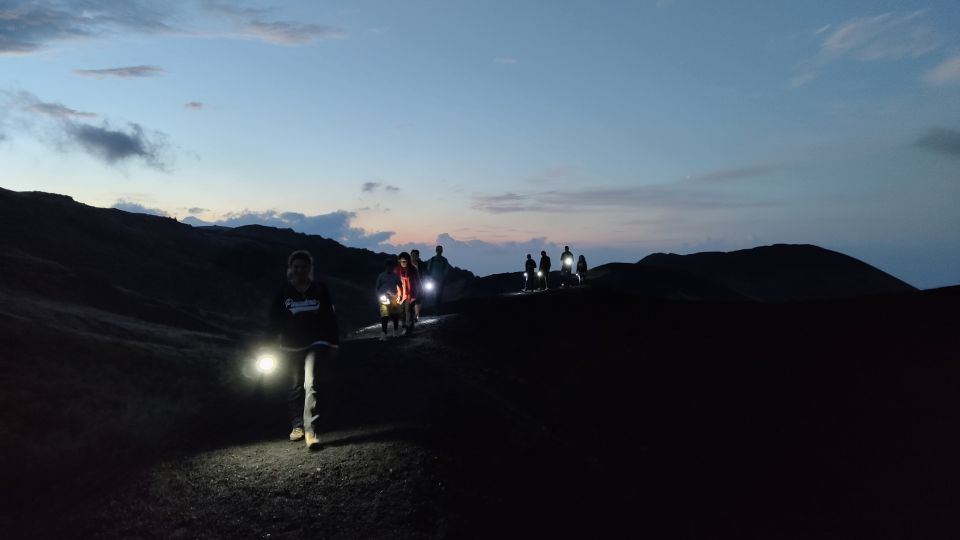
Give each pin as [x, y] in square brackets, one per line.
[329, 319]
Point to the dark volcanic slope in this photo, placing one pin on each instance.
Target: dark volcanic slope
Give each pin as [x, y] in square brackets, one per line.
[662, 283]
[577, 413]
[748, 420]
[156, 269]
[784, 272]
[771, 274]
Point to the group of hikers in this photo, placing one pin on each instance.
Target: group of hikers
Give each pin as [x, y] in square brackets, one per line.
[302, 315]
[403, 286]
[538, 278]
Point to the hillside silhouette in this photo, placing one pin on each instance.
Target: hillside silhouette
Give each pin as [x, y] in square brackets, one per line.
[783, 272]
[157, 269]
[778, 273]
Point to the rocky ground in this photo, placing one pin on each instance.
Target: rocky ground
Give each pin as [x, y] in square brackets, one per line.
[577, 413]
[417, 450]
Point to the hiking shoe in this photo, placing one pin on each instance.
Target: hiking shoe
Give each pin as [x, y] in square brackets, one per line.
[296, 434]
[313, 443]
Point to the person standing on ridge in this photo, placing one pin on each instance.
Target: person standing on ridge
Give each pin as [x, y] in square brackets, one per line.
[545, 269]
[530, 272]
[302, 316]
[409, 290]
[388, 294]
[439, 267]
[581, 269]
[421, 267]
[566, 266]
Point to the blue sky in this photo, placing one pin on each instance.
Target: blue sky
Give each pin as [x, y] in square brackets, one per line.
[502, 128]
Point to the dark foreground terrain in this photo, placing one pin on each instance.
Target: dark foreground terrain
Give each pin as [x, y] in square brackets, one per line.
[572, 413]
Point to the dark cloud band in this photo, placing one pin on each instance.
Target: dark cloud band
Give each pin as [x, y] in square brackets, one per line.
[130, 72]
[941, 140]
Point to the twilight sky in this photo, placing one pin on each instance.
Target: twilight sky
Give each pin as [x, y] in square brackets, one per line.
[501, 128]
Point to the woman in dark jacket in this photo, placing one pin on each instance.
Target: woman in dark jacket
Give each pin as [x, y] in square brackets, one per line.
[302, 317]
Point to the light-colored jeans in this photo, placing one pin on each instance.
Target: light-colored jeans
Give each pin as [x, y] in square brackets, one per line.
[307, 370]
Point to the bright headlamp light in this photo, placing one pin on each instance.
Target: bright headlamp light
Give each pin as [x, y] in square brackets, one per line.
[266, 364]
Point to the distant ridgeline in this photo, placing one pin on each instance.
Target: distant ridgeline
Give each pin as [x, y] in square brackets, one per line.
[768, 274]
[219, 279]
[159, 270]
[783, 272]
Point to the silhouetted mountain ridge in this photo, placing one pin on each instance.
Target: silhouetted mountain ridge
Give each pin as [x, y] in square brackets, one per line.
[158, 269]
[218, 278]
[783, 272]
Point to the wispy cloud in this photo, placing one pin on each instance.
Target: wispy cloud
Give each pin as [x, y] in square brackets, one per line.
[129, 72]
[137, 208]
[254, 24]
[101, 141]
[57, 110]
[888, 36]
[947, 72]
[942, 140]
[28, 27]
[650, 196]
[375, 208]
[335, 225]
[735, 173]
[292, 33]
[370, 187]
[195, 105]
[506, 60]
[32, 26]
[695, 191]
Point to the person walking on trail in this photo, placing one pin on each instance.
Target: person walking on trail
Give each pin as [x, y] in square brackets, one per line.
[421, 267]
[529, 273]
[439, 267]
[566, 266]
[545, 269]
[302, 317]
[409, 290]
[581, 269]
[388, 296]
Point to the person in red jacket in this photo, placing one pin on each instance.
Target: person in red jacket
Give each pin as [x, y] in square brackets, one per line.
[409, 290]
[302, 318]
